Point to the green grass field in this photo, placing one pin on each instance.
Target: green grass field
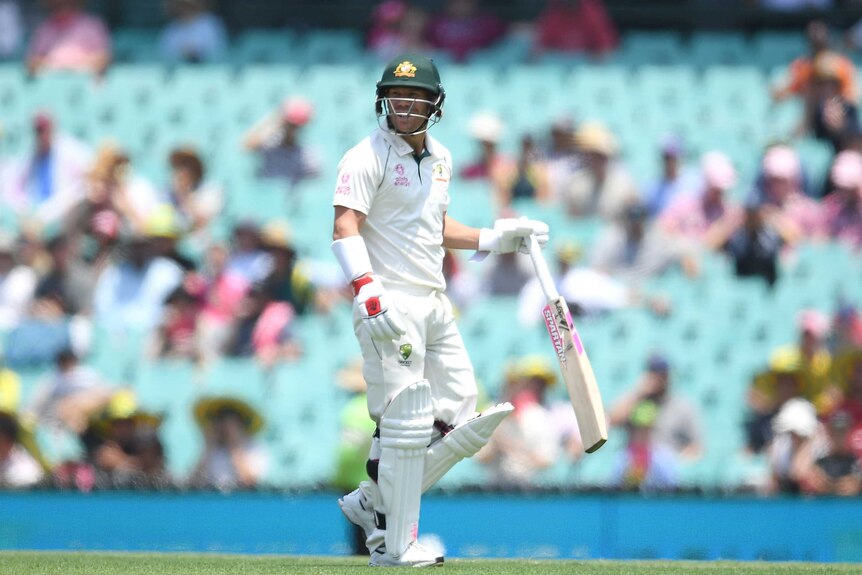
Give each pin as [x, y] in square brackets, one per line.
[33, 563]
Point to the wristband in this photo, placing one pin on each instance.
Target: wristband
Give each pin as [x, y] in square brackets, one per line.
[352, 256]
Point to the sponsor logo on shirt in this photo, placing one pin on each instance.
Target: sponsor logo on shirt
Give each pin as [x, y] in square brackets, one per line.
[440, 173]
[343, 188]
[400, 178]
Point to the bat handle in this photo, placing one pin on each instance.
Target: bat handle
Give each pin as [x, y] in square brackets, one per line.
[542, 271]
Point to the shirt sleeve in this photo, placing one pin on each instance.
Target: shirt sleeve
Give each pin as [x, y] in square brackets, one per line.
[357, 182]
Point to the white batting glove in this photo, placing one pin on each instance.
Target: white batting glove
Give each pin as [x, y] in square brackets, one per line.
[509, 235]
[379, 316]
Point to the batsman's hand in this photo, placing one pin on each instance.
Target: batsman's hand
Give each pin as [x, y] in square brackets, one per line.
[509, 235]
[378, 315]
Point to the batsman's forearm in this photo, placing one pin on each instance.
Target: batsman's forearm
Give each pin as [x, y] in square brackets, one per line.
[459, 236]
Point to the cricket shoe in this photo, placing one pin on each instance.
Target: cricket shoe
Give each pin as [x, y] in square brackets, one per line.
[359, 510]
[414, 556]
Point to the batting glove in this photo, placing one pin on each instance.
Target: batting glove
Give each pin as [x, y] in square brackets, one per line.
[508, 235]
[378, 315]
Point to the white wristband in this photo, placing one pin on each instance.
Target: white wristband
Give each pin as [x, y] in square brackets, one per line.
[352, 255]
[489, 240]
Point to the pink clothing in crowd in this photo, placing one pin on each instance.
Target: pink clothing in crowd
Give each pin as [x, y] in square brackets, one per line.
[841, 222]
[223, 297]
[687, 216]
[461, 36]
[69, 42]
[576, 27]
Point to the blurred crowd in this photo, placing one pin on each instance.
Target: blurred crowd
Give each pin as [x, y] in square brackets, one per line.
[98, 250]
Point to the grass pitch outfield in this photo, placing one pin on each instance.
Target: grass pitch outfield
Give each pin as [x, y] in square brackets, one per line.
[57, 563]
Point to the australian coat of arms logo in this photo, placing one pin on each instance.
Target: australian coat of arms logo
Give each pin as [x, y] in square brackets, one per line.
[405, 69]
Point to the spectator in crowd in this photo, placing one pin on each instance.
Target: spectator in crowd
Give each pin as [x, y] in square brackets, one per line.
[17, 284]
[45, 184]
[603, 187]
[18, 469]
[69, 281]
[122, 445]
[507, 275]
[163, 233]
[397, 27]
[113, 186]
[69, 39]
[561, 157]
[587, 291]
[753, 241]
[788, 209]
[813, 358]
[66, 400]
[791, 430]
[486, 129]
[527, 180]
[11, 29]
[276, 140]
[673, 182]
[223, 291]
[771, 390]
[232, 458]
[829, 466]
[462, 27]
[196, 201]
[525, 443]
[577, 26]
[647, 463]
[263, 329]
[633, 250]
[462, 286]
[131, 291]
[288, 280]
[354, 442]
[842, 207]
[832, 117]
[846, 330]
[193, 34]
[698, 217]
[175, 336]
[677, 422]
[248, 259]
[801, 72]
[847, 375]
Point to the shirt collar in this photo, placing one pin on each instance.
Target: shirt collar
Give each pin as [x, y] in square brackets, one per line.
[402, 148]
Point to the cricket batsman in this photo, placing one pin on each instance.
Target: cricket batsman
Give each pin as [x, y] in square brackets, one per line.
[390, 233]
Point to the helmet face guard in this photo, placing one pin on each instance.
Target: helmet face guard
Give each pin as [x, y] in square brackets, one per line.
[386, 112]
[409, 71]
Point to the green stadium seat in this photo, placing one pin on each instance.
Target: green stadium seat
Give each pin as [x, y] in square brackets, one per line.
[718, 48]
[263, 47]
[639, 48]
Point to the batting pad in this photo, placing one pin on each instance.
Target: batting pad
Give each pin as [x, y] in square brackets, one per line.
[463, 441]
[405, 432]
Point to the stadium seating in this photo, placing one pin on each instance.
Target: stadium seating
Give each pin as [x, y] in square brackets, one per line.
[711, 89]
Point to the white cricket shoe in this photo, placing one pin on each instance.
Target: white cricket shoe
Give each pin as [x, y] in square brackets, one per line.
[358, 510]
[414, 556]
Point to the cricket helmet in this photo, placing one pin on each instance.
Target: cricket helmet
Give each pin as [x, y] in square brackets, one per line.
[411, 71]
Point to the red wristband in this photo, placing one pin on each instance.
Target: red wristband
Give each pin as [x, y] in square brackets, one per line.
[359, 282]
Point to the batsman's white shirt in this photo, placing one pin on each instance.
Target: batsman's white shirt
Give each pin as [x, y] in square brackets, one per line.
[404, 200]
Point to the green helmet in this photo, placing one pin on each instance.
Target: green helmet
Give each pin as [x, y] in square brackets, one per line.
[412, 71]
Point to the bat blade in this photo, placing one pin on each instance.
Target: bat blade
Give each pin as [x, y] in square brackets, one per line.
[578, 375]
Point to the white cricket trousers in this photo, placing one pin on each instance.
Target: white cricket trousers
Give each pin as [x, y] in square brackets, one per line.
[431, 349]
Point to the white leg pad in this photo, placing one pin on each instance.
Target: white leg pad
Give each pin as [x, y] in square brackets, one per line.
[463, 441]
[405, 432]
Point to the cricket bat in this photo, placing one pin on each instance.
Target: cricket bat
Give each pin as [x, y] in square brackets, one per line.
[574, 363]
